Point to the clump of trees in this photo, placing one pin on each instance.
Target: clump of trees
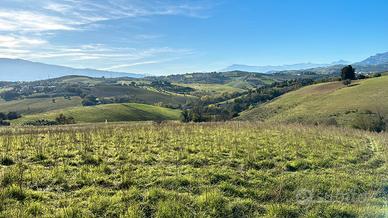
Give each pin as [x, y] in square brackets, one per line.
[63, 120]
[10, 95]
[90, 100]
[59, 120]
[208, 110]
[6, 117]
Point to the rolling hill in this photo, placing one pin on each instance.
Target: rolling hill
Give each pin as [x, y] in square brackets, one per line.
[38, 105]
[328, 103]
[271, 69]
[23, 70]
[109, 112]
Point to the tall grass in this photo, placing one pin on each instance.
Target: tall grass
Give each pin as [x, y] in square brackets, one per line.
[236, 169]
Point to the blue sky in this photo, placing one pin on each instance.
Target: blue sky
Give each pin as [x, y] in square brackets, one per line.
[178, 36]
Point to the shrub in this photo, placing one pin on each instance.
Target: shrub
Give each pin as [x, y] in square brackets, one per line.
[4, 123]
[41, 123]
[377, 75]
[13, 115]
[347, 82]
[185, 116]
[361, 76]
[90, 100]
[6, 161]
[374, 122]
[63, 120]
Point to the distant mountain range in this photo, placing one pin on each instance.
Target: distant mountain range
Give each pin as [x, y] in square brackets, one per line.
[271, 69]
[22, 70]
[376, 63]
[377, 59]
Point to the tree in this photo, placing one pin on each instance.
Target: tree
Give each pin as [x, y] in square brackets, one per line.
[90, 100]
[3, 116]
[4, 123]
[185, 116]
[13, 116]
[63, 120]
[10, 95]
[347, 82]
[348, 72]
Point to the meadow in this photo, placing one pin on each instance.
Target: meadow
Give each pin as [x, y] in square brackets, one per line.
[233, 169]
[38, 105]
[107, 112]
[330, 103]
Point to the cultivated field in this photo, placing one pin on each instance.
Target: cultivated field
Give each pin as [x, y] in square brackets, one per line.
[108, 112]
[236, 169]
[38, 105]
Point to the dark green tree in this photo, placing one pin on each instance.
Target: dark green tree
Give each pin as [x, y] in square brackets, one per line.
[63, 120]
[185, 116]
[3, 116]
[13, 115]
[90, 100]
[348, 72]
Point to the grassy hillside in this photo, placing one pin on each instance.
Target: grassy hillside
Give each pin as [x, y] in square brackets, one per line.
[205, 170]
[109, 112]
[211, 89]
[38, 105]
[332, 103]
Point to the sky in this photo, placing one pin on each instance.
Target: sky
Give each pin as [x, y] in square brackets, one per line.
[160, 37]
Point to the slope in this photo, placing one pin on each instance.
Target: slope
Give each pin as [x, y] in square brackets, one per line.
[38, 105]
[109, 112]
[331, 103]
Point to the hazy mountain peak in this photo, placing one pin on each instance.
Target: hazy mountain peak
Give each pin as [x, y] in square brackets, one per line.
[381, 58]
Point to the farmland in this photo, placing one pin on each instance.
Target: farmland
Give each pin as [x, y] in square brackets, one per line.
[108, 112]
[234, 169]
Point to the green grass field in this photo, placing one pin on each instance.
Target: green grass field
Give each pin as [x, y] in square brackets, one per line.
[211, 88]
[326, 102]
[236, 169]
[38, 105]
[108, 112]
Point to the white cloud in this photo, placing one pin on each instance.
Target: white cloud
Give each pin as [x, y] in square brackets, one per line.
[27, 21]
[10, 42]
[26, 30]
[122, 66]
[58, 15]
